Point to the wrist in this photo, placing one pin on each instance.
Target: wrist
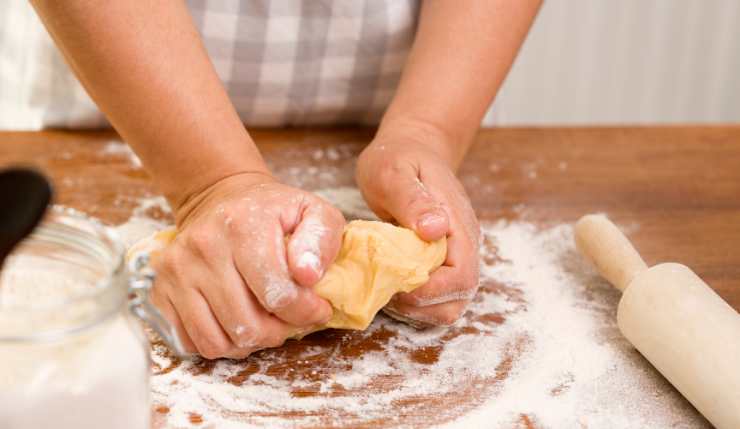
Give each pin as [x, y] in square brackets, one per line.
[412, 132]
[187, 175]
[239, 181]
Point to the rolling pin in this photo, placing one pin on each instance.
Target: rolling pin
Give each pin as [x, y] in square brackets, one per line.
[674, 319]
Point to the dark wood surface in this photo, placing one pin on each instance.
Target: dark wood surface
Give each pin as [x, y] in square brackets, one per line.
[675, 189]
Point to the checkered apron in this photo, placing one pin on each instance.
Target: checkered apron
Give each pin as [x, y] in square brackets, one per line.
[287, 62]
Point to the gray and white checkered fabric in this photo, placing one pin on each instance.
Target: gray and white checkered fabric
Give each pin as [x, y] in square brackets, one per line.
[287, 62]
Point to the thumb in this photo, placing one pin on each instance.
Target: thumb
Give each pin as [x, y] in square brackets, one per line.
[315, 243]
[413, 206]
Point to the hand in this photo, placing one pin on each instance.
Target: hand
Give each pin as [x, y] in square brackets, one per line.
[230, 282]
[407, 180]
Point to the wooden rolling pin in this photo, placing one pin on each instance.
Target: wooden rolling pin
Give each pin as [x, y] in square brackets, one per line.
[674, 319]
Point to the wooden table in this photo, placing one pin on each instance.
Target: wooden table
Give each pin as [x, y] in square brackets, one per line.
[678, 187]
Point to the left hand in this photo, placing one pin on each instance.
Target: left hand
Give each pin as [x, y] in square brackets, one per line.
[411, 181]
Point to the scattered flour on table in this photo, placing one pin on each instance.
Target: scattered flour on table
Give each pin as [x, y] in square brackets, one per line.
[140, 224]
[552, 357]
[349, 200]
[119, 148]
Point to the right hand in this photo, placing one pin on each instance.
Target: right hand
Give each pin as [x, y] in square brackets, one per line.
[230, 282]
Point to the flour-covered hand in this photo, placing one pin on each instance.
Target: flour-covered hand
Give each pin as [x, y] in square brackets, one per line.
[405, 180]
[230, 282]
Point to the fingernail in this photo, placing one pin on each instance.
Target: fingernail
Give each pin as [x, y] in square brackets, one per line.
[431, 221]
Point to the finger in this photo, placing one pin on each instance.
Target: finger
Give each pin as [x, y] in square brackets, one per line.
[201, 324]
[456, 280]
[262, 264]
[263, 331]
[163, 303]
[444, 314]
[220, 285]
[315, 243]
[271, 331]
[241, 316]
[445, 284]
[409, 202]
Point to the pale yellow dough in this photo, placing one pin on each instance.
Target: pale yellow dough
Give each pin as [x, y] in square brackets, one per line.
[376, 261]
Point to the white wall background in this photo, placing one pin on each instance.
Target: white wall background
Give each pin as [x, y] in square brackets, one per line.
[626, 61]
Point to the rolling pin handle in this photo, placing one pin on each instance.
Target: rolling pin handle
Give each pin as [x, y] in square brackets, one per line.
[604, 244]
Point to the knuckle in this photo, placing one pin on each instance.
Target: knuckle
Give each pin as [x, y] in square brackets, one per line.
[280, 296]
[388, 174]
[201, 241]
[168, 260]
[397, 165]
[256, 336]
[242, 226]
[451, 313]
[249, 337]
[170, 265]
[210, 349]
[229, 210]
[230, 218]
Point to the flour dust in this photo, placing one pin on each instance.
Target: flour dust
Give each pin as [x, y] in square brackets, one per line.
[538, 347]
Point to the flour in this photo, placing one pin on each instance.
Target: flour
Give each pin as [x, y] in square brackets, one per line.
[331, 153]
[80, 378]
[306, 242]
[279, 292]
[349, 201]
[309, 260]
[118, 148]
[538, 347]
[51, 282]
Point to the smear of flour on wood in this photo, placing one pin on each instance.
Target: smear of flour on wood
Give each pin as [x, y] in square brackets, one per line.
[537, 348]
[119, 148]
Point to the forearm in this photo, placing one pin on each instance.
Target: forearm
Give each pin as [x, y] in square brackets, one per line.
[145, 66]
[460, 57]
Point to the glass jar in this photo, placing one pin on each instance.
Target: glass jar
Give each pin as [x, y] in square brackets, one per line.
[71, 355]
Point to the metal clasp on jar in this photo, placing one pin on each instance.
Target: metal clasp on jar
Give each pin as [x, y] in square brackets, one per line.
[141, 281]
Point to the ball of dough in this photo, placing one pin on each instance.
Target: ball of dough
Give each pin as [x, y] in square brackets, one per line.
[376, 261]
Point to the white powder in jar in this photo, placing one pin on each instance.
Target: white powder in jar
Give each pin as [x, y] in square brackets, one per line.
[94, 377]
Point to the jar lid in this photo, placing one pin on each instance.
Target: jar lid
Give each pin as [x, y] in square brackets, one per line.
[67, 276]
